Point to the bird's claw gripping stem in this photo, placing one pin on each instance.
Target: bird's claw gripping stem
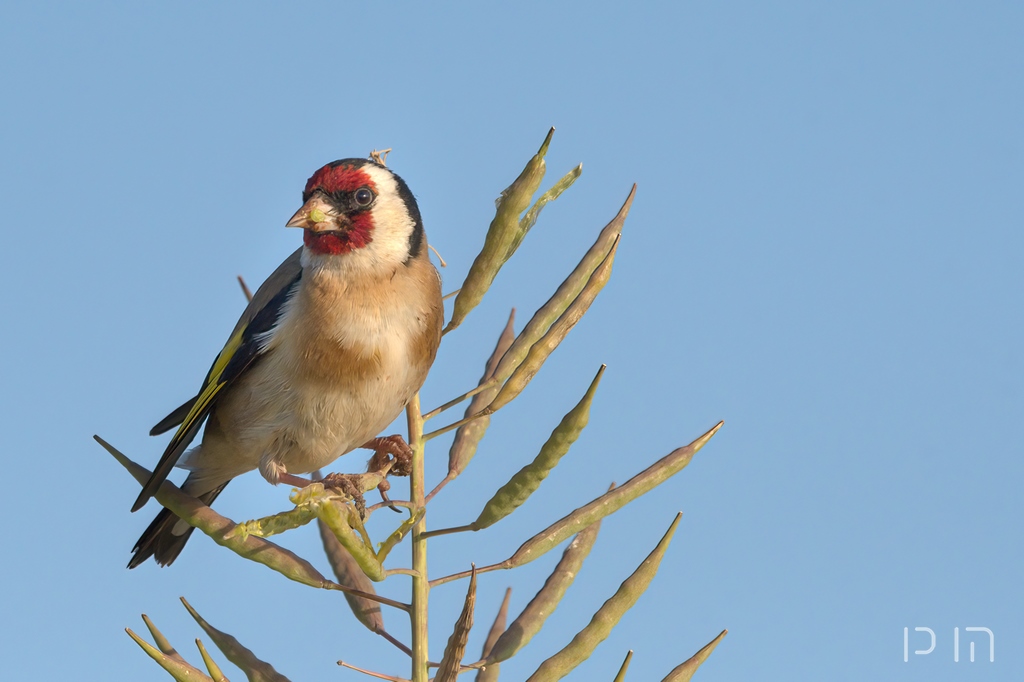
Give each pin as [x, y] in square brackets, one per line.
[391, 450]
[347, 485]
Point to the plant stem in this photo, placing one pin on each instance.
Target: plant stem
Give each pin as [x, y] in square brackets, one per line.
[455, 425]
[420, 583]
[490, 383]
[447, 531]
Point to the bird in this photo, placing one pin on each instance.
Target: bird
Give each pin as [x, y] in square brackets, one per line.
[329, 351]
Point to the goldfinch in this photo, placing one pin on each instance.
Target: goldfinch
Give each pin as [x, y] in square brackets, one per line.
[328, 353]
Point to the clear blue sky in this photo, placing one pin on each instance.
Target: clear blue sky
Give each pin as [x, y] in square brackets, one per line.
[825, 251]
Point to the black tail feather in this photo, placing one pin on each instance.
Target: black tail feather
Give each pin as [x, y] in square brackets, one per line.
[174, 418]
[159, 542]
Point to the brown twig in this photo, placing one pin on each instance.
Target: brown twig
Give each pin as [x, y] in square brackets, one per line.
[245, 289]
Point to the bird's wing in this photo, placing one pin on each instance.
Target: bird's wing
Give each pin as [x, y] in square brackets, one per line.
[282, 277]
[243, 348]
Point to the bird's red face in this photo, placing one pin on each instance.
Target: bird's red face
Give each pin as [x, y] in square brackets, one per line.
[337, 213]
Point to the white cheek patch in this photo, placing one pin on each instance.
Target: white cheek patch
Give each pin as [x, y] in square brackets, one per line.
[392, 228]
[392, 222]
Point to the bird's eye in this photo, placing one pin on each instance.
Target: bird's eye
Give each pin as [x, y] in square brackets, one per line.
[364, 196]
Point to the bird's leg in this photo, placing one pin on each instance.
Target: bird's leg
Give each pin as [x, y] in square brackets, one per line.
[292, 479]
[389, 449]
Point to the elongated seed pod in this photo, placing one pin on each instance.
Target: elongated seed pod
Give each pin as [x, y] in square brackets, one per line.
[469, 435]
[501, 235]
[600, 626]
[566, 293]
[540, 351]
[685, 670]
[253, 667]
[610, 502]
[526, 481]
[530, 621]
[489, 673]
[221, 529]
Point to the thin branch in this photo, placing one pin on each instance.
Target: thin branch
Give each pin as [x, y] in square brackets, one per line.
[330, 585]
[447, 531]
[455, 425]
[245, 289]
[436, 253]
[392, 503]
[401, 571]
[455, 401]
[380, 676]
[454, 293]
[465, 574]
[437, 488]
[401, 647]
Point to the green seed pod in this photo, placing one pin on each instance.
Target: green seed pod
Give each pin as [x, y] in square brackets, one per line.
[684, 671]
[621, 677]
[546, 600]
[600, 626]
[580, 518]
[337, 517]
[489, 673]
[158, 637]
[215, 672]
[277, 523]
[167, 656]
[530, 219]
[525, 481]
[348, 574]
[221, 529]
[173, 664]
[501, 236]
[610, 502]
[399, 534]
[540, 351]
[566, 293]
[469, 435]
[254, 669]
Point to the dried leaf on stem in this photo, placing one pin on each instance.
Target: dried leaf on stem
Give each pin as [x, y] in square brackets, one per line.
[448, 669]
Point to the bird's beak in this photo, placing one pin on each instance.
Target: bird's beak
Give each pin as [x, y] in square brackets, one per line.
[317, 215]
